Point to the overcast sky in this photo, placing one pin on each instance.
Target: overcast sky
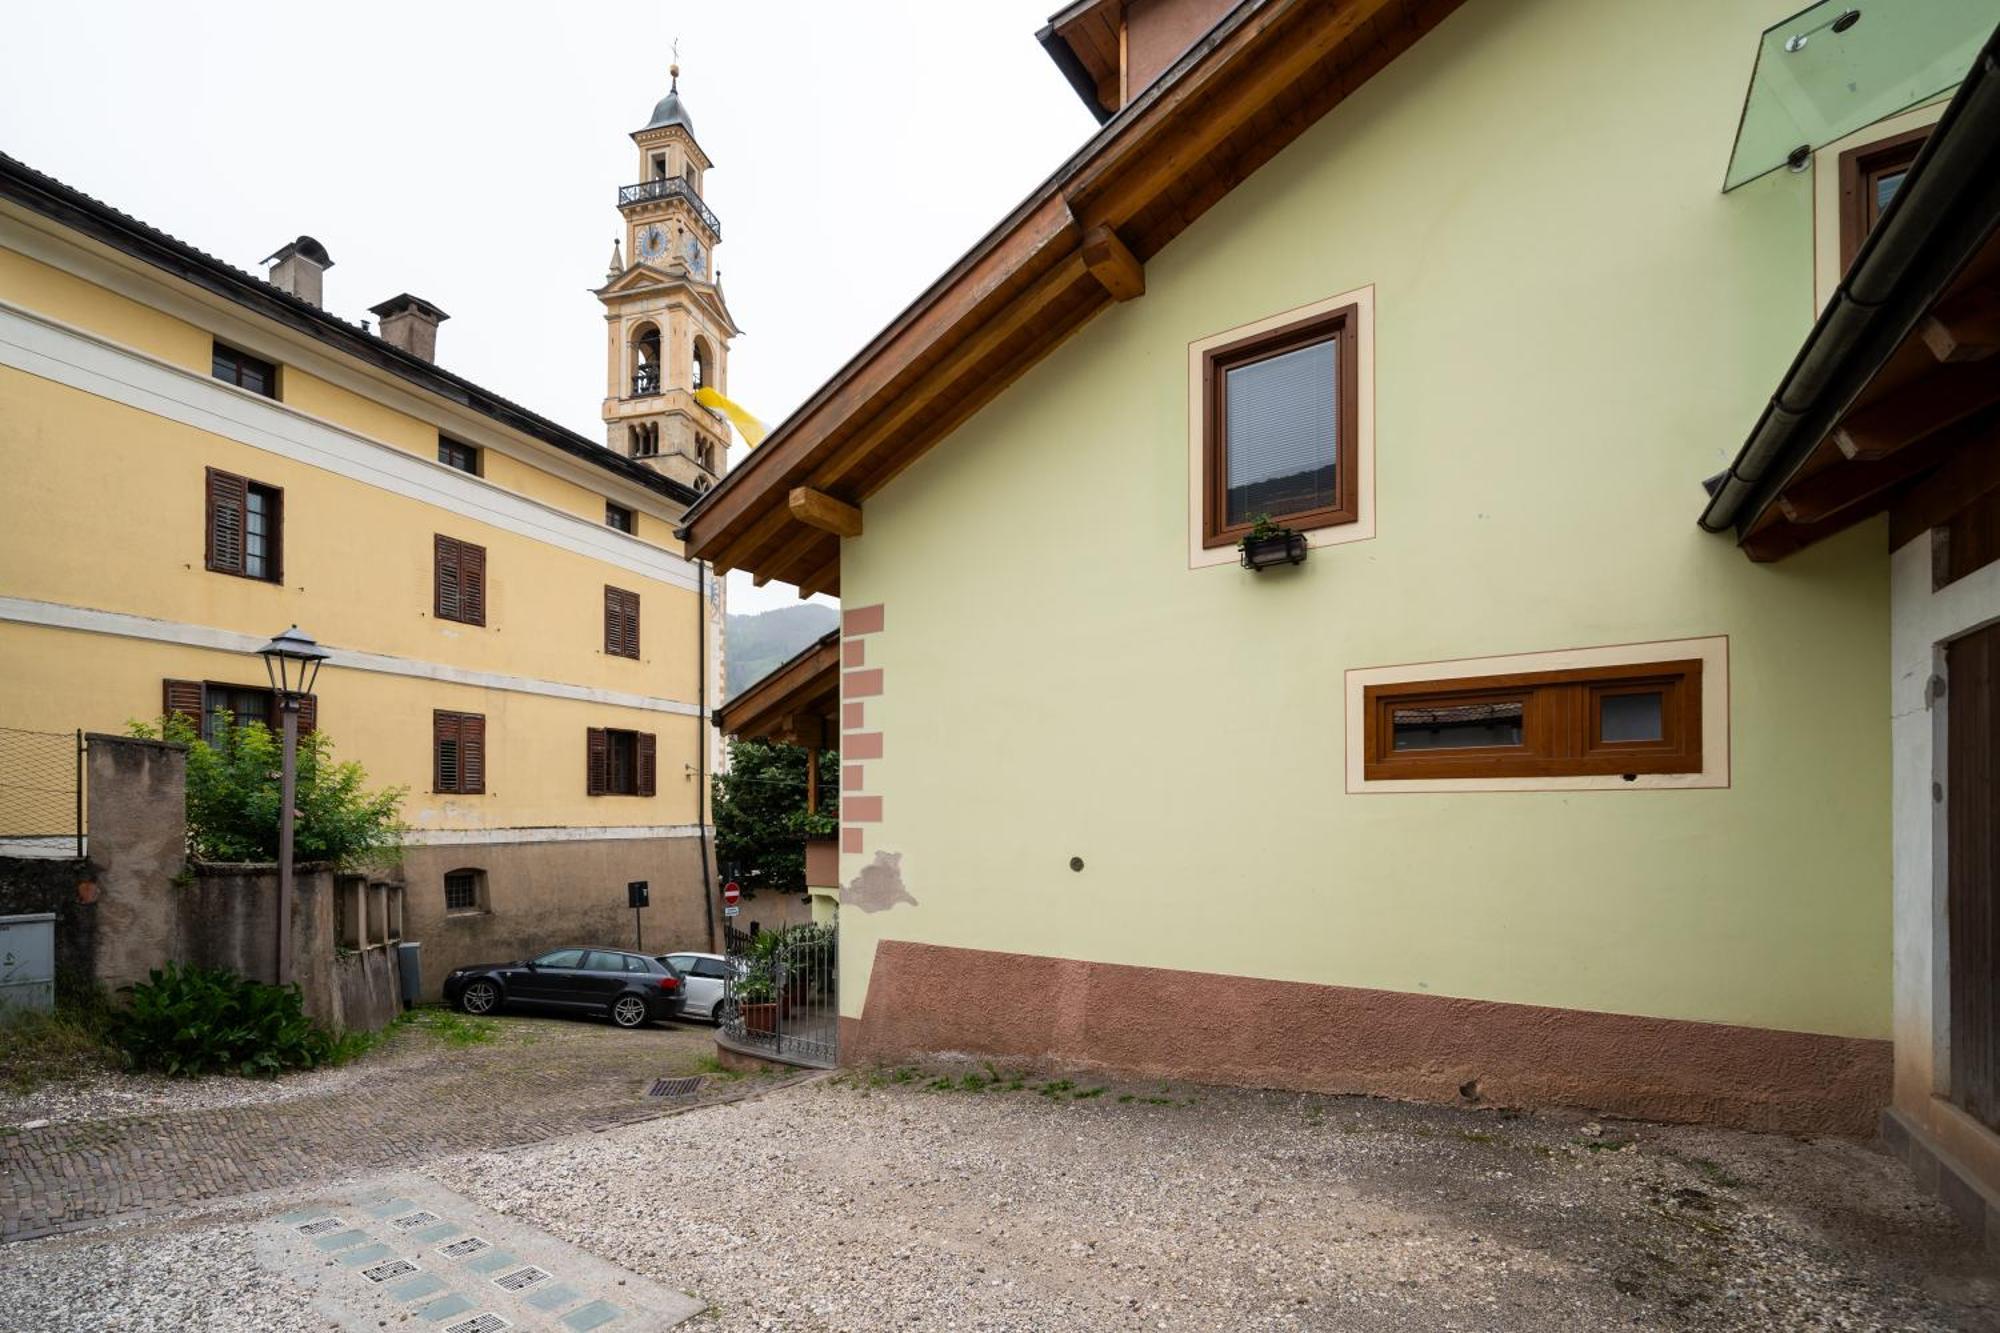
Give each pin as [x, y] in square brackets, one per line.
[470, 154]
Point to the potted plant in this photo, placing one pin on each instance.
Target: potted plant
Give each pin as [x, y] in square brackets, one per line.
[757, 1000]
[1269, 543]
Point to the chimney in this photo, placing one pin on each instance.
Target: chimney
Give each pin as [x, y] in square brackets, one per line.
[411, 323]
[299, 268]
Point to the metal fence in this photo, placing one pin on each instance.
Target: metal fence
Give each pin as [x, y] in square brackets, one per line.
[41, 792]
[784, 992]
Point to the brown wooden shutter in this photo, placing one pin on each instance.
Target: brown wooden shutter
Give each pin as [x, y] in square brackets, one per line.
[308, 714]
[614, 610]
[472, 753]
[647, 749]
[597, 776]
[447, 769]
[447, 603]
[226, 501]
[183, 697]
[632, 624]
[472, 582]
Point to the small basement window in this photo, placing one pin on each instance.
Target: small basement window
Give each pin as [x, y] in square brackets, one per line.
[1619, 720]
[1279, 428]
[465, 890]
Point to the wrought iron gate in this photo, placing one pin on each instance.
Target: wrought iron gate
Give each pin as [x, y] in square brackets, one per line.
[784, 992]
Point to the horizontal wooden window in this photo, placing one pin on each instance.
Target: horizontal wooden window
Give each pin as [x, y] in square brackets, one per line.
[1969, 540]
[458, 753]
[619, 517]
[621, 622]
[620, 763]
[1279, 428]
[455, 455]
[461, 581]
[1619, 720]
[244, 370]
[1869, 178]
[245, 521]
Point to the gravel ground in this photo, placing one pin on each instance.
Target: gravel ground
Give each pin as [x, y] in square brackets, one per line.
[870, 1203]
[885, 1202]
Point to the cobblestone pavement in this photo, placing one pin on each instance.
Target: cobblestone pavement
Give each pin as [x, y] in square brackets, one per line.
[421, 1098]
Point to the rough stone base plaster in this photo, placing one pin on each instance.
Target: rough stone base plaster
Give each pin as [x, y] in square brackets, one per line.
[927, 999]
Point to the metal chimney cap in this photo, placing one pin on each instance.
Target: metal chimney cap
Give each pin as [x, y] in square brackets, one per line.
[306, 248]
[405, 304]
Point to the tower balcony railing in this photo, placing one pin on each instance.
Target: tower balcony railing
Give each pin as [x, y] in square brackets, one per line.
[670, 187]
[645, 381]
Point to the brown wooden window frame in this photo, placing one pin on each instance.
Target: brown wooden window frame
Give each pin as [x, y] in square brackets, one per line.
[459, 569]
[458, 456]
[466, 733]
[605, 775]
[190, 698]
[232, 365]
[1341, 326]
[621, 623]
[1560, 725]
[1860, 168]
[226, 526]
[619, 518]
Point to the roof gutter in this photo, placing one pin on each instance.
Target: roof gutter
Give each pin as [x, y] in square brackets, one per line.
[1947, 208]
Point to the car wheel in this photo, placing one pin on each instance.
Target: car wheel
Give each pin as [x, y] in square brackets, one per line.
[725, 1009]
[628, 1011]
[481, 997]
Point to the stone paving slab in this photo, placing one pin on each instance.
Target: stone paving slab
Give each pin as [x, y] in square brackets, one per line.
[517, 1278]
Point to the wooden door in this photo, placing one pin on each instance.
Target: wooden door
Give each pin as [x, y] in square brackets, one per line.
[1972, 836]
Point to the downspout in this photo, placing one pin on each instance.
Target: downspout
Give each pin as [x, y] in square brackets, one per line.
[701, 746]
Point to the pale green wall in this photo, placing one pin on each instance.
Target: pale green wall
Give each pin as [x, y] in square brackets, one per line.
[1574, 327]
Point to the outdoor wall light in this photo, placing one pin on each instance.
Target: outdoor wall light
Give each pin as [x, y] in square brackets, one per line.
[292, 662]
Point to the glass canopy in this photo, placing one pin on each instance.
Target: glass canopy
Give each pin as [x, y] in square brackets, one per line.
[1841, 64]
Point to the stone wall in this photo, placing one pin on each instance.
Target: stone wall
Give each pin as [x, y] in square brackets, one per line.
[138, 845]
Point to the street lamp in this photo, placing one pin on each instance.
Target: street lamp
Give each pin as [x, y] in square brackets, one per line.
[292, 662]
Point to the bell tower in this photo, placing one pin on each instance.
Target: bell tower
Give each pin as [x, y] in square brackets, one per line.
[667, 328]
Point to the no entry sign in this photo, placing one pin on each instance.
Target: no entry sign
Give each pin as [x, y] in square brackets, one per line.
[731, 894]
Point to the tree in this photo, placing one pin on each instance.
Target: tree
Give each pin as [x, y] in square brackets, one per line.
[761, 821]
[233, 785]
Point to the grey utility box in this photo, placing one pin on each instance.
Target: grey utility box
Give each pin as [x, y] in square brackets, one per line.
[410, 969]
[28, 962]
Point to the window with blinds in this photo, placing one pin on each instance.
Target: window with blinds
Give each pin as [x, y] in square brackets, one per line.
[245, 527]
[620, 763]
[621, 622]
[458, 753]
[461, 581]
[1279, 429]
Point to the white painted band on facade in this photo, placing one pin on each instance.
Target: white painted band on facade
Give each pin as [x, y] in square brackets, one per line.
[52, 350]
[486, 837]
[54, 615]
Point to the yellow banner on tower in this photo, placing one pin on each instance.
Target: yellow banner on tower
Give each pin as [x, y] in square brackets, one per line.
[751, 429]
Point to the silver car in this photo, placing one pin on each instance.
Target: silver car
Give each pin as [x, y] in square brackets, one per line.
[703, 983]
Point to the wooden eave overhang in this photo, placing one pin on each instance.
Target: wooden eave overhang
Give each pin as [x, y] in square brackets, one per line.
[1252, 85]
[1893, 403]
[795, 703]
[1083, 40]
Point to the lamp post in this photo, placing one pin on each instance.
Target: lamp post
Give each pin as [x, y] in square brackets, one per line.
[292, 662]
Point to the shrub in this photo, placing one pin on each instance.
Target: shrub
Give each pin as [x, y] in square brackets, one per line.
[186, 1021]
[233, 789]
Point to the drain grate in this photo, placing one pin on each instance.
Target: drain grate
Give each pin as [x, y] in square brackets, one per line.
[521, 1279]
[393, 1269]
[413, 1221]
[675, 1087]
[321, 1227]
[458, 1249]
[479, 1323]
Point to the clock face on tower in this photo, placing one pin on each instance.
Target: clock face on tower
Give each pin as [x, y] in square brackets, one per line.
[652, 243]
[697, 258]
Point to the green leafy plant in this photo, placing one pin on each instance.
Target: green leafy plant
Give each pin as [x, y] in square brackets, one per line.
[187, 1021]
[757, 985]
[233, 787]
[761, 821]
[1262, 529]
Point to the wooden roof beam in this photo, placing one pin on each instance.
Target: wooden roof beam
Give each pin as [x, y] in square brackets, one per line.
[1965, 327]
[1114, 266]
[1916, 410]
[817, 509]
[781, 559]
[821, 579]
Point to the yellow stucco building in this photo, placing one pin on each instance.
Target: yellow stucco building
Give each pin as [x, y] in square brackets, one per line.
[197, 458]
